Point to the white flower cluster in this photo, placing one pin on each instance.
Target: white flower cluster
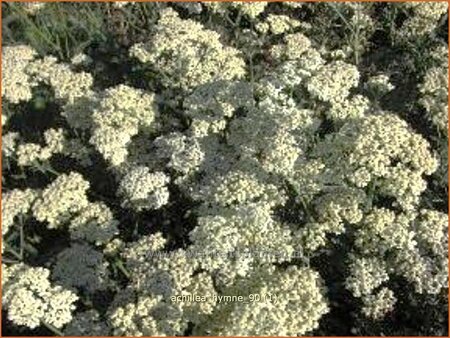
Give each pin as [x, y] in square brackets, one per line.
[15, 203]
[31, 299]
[187, 55]
[81, 59]
[122, 4]
[67, 84]
[428, 273]
[23, 70]
[252, 10]
[114, 116]
[236, 187]
[275, 132]
[211, 105]
[142, 189]
[16, 82]
[295, 47]
[333, 81]
[434, 99]
[380, 84]
[407, 239]
[122, 111]
[28, 154]
[434, 90]
[277, 24]
[146, 307]
[431, 230]
[383, 152]
[9, 143]
[376, 306]
[366, 274]
[298, 307]
[95, 223]
[183, 154]
[424, 19]
[235, 242]
[32, 8]
[352, 108]
[335, 209]
[160, 277]
[62, 199]
[148, 316]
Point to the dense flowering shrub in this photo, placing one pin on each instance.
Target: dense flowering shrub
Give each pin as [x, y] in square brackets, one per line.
[225, 168]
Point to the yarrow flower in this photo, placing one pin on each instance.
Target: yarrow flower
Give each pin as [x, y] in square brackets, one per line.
[187, 55]
[31, 299]
[17, 83]
[62, 199]
[142, 189]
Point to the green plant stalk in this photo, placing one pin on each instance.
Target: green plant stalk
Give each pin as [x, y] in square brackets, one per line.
[56, 331]
[36, 29]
